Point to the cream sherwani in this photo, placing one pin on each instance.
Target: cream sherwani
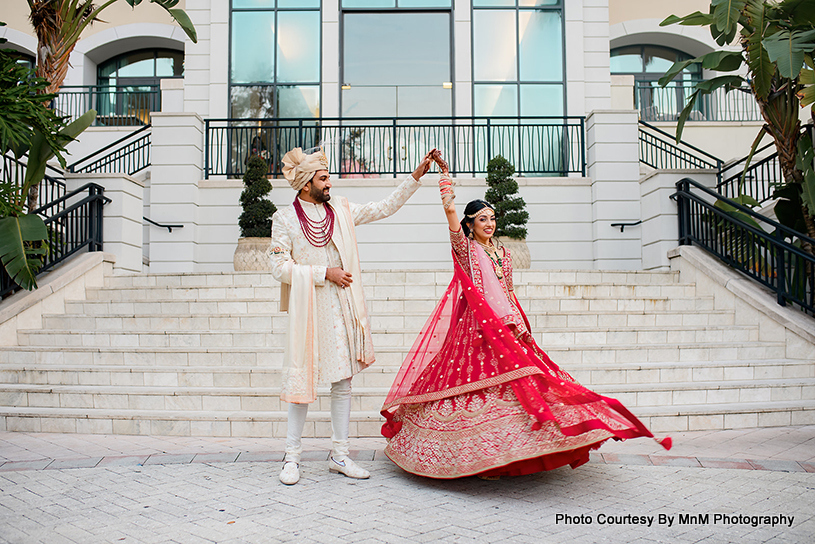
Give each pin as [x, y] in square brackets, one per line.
[324, 319]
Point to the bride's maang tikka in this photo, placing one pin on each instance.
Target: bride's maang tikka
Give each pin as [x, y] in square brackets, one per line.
[482, 211]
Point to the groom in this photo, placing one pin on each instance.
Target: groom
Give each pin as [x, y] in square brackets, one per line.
[316, 259]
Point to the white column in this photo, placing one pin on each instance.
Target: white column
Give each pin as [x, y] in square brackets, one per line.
[660, 224]
[596, 56]
[178, 159]
[613, 166]
[463, 76]
[197, 60]
[122, 216]
[172, 95]
[331, 61]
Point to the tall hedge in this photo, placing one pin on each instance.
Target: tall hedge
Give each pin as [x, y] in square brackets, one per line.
[256, 219]
[510, 209]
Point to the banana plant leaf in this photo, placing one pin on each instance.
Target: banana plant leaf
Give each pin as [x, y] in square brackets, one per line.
[40, 152]
[787, 50]
[18, 257]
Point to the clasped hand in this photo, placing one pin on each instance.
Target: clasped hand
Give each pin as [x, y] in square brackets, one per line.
[339, 276]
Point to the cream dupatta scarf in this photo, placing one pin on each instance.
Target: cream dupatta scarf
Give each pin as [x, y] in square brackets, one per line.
[299, 299]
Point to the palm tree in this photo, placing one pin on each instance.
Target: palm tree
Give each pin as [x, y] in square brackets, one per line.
[777, 42]
[59, 24]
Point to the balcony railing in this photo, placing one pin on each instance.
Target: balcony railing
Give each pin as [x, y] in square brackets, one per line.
[376, 147]
[115, 106]
[657, 103]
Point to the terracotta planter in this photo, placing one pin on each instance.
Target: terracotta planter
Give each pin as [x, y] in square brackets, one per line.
[521, 258]
[252, 254]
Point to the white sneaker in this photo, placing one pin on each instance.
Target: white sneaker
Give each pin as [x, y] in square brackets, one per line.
[348, 467]
[290, 474]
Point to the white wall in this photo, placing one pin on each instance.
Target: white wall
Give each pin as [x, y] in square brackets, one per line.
[560, 225]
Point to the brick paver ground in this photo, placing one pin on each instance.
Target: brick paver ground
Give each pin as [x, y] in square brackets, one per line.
[190, 490]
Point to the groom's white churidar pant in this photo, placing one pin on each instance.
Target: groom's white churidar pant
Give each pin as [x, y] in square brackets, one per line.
[340, 417]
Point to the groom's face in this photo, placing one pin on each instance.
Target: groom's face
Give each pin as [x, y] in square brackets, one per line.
[320, 186]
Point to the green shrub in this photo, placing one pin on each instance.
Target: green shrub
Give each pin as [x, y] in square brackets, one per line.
[510, 213]
[256, 219]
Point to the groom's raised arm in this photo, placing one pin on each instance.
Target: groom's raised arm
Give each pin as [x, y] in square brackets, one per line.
[374, 211]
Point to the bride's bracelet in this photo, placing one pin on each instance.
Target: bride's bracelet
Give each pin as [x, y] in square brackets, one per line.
[446, 190]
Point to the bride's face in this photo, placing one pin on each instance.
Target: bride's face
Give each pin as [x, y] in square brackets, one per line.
[484, 227]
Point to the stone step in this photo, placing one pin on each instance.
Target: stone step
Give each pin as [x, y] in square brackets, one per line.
[245, 398]
[662, 337]
[128, 369]
[366, 424]
[410, 319]
[414, 277]
[389, 305]
[623, 354]
[587, 331]
[402, 290]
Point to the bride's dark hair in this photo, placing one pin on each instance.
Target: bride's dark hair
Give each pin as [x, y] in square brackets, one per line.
[473, 207]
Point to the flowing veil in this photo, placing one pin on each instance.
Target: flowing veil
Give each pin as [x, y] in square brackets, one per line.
[465, 347]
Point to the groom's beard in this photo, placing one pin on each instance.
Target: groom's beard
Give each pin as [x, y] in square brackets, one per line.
[318, 194]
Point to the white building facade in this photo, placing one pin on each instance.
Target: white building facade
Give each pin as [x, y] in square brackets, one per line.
[556, 86]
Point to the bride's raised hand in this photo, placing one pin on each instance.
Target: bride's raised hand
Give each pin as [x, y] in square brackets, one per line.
[423, 166]
[442, 164]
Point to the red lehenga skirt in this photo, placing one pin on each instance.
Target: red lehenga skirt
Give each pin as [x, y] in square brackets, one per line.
[473, 399]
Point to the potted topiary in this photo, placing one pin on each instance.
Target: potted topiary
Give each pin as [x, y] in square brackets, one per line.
[255, 221]
[510, 213]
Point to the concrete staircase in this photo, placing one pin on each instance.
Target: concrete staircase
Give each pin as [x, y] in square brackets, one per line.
[200, 354]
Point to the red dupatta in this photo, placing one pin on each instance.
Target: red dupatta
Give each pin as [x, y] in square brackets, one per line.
[465, 347]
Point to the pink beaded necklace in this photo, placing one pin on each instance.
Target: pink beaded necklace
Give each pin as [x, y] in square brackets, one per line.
[318, 233]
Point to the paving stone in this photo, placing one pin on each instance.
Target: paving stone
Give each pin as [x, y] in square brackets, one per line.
[229, 457]
[773, 464]
[626, 459]
[261, 457]
[708, 462]
[169, 459]
[87, 462]
[672, 461]
[122, 460]
[314, 455]
[25, 465]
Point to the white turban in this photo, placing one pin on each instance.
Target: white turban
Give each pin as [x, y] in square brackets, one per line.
[299, 168]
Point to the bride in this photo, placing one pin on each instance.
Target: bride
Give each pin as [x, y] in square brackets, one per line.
[476, 395]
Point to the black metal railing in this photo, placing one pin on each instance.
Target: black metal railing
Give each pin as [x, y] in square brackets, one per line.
[656, 103]
[127, 155]
[374, 147]
[658, 149]
[74, 223]
[760, 179]
[758, 247]
[114, 105]
[52, 186]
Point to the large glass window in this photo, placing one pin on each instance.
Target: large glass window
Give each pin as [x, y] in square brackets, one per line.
[146, 67]
[648, 63]
[518, 58]
[275, 58]
[396, 64]
[127, 86]
[390, 4]
[518, 71]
